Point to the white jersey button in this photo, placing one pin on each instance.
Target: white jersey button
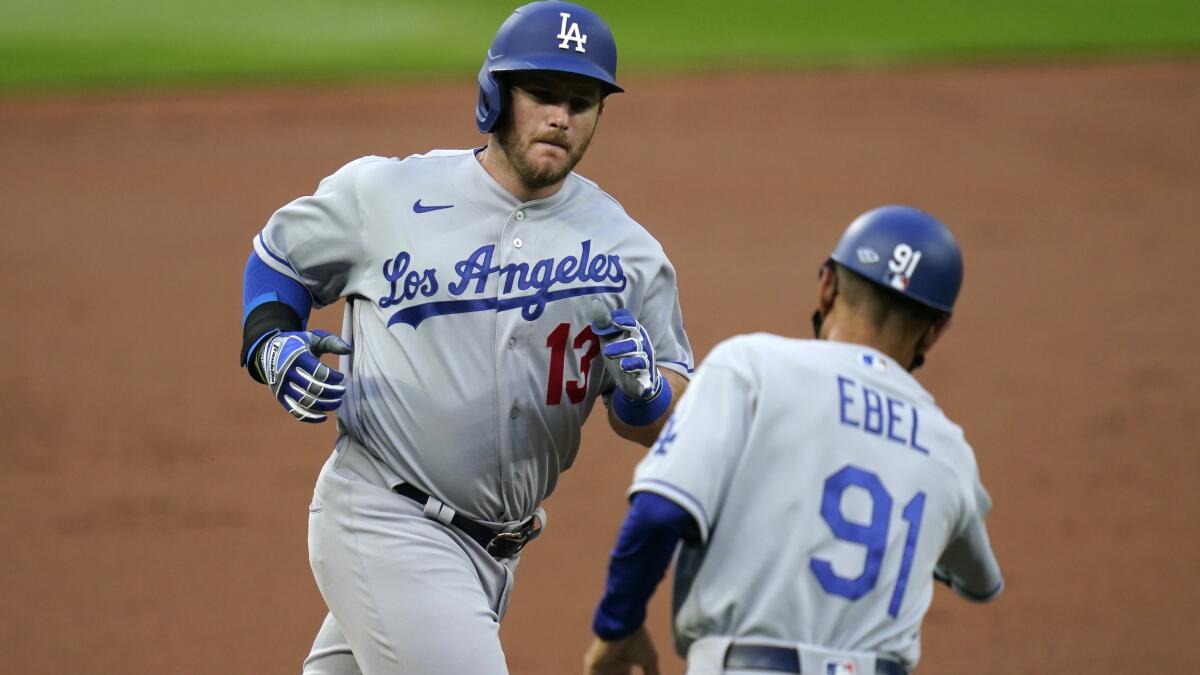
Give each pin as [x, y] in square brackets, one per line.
[512, 342]
[518, 243]
[520, 215]
[514, 412]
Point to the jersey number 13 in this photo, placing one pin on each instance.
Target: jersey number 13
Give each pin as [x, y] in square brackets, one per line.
[557, 341]
[873, 535]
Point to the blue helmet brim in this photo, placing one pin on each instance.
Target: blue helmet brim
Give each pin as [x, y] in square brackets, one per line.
[559, 63]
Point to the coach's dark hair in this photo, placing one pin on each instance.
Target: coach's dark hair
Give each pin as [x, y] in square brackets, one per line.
[882, 305]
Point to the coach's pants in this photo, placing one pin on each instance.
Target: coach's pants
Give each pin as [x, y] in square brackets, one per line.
[406, 594]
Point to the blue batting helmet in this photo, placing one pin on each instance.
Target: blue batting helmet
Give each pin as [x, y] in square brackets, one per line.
[550, 35]
[906, 250]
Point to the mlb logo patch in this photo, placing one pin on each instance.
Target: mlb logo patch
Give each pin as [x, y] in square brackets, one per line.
[839, 667]
[898, 282]
[873, 361]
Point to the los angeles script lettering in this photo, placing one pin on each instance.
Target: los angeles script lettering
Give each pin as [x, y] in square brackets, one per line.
[474, 272]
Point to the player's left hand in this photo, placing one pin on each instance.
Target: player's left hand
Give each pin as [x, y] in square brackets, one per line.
[628, 353]
[618, 657]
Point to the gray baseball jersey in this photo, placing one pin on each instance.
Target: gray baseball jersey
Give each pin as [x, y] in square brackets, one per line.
[827, 486]
[474, 363]
[474, 368]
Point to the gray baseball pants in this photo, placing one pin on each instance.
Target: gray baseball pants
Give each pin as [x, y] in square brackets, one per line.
[406, 595]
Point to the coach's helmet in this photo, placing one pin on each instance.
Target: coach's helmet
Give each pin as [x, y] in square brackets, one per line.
[906, 250]
[549, 35]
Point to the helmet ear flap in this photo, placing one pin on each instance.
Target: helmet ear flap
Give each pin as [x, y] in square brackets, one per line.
[489, 107]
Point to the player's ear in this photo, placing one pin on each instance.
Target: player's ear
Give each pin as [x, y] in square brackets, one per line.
[826, 292]
[827, 287]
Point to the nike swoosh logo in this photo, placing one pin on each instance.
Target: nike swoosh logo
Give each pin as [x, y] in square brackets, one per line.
[418, 207]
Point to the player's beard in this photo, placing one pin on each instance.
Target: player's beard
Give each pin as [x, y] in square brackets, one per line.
[537, 176]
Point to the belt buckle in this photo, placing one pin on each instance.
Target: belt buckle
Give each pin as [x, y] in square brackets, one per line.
[508, 544]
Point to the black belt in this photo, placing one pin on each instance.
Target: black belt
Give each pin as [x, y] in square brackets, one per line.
[784, 660]
[499, 545]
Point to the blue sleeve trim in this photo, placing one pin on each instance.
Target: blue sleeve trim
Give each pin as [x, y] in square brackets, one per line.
[646, 483]
[942, 577]
[975, 596]
[262, 284]
[642, 413]
[681, 364]
[644, 549]
[280, 259]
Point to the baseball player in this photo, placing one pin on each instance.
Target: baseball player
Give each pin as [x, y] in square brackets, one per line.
[468, 358]
[816, 486]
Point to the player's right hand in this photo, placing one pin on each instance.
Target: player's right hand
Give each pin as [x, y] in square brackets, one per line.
[289, 363]
[619, 657]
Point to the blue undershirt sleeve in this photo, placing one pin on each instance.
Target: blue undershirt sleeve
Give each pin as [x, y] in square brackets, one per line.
[651, 531]
[261, 285]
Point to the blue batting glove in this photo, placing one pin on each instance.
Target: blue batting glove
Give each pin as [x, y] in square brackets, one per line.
[289, 364]
[628, 354]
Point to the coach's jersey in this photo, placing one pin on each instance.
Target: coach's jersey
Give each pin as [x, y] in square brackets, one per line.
[474, 363]
[826, 484]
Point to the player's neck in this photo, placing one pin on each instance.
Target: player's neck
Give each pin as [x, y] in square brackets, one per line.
[858, 331]
[498, 165]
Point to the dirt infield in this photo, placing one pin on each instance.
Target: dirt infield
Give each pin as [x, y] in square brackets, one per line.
[154, 499]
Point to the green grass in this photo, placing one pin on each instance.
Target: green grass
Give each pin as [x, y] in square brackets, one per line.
[105, 43]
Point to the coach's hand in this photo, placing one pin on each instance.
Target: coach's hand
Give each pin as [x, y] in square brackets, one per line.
[618, 657]
[289, 364]
[628, 353]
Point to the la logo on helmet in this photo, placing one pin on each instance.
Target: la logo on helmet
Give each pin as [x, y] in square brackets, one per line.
[570, 35]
